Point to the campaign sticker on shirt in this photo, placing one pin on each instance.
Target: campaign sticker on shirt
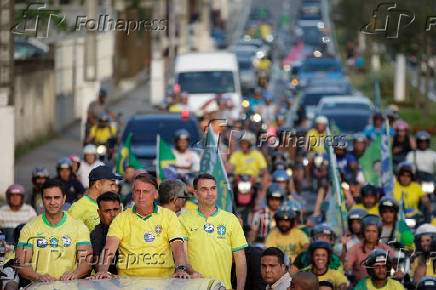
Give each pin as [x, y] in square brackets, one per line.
[149, 237]
[66, 241]
[158, 229]
[41, 243]
[208, 228]
[54, 243]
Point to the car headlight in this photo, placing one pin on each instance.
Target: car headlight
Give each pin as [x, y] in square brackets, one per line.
[317, 53]
[101, 150]
[244, 186]
[428, 187]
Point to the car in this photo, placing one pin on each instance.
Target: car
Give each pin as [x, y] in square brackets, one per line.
[146, 126]
[310, 10]
[262, 48]
[312, 96]
[244, 52]
[311, 32]
[350, 121]
[347, 102]
[247, 73]
[319, 67]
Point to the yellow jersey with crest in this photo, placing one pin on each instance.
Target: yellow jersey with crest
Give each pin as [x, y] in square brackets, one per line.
[291, 243]
[54, 247]
[85, 209]
[144, 249]
[212, 241]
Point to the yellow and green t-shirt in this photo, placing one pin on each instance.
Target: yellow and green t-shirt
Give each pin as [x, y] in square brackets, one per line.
[250, 164]
[85, 209]
[368, 284]
[372, 210]
[211, 242]
[412, 194]
[336, 277]
[54, 247]
[291, 243]
[144, 249]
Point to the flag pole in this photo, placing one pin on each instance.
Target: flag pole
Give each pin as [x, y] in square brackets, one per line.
[157, 155]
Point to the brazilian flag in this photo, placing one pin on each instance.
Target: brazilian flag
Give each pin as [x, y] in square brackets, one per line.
[166, 161]
[403, 234]
[126, 158]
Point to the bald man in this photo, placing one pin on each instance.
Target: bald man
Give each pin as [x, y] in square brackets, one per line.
[304, 280]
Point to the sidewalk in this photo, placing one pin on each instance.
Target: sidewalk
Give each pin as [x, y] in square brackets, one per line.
[68, 142]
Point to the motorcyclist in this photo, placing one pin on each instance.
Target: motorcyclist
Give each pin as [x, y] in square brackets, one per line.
[102, 132]
[354, 235]
[315, 137]
[402, 142]
[346, 163]
[388, 208]
[359, 145]
[281, 177]
[263, 219]
[413, 193]
[257, 101]
[319, 232]
[369, 195]
[39, 177]
[377, 127]
[187, 161]
[90, 162]
[423, 158]
[180, 104]
[269, 109]
[15, 212]
[378, 264]
[74, 188]
[424, 236]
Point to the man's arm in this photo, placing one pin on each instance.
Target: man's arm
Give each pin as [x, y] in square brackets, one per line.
[179, 256]
[241, 268]
[24, 260]
[84, 261]
[106, 257]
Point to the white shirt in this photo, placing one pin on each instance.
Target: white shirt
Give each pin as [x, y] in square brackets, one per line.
[11, 219]
[282, 284]
[85, 169]
[425, 160]
[187, 159]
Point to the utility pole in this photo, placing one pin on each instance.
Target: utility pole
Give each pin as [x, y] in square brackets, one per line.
[183, 31]
[157, 84]
[172, 40]
[90, 64]
[7, 133]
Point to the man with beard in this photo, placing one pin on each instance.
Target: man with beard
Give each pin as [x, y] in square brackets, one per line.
[378, 264]
[286, 237]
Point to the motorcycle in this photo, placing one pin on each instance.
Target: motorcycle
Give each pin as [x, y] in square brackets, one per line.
[245, 190]
[319, 171]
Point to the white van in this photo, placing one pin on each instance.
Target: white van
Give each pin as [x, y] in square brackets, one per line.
[204, 75]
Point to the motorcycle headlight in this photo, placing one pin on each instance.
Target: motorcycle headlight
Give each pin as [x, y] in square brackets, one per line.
[289, 172]
[245, 103]
[101, 150]
[244, 186]
[305, 161]
[256, 118]
[318, 160]
[317, 53]
[411, 223]
[428, 187]
[286, 67]
[260, 54]
[270, 38]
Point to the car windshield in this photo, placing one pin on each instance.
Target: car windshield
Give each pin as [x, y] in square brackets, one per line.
[321, 67]
[145, 131]
[350, 123]
[345, 106]
[207, 82]
[313, 99]
[312, 35]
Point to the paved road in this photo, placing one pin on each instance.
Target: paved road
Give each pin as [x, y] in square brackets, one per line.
[69, 143]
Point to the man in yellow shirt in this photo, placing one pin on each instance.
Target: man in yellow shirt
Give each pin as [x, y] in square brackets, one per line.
[315, 137]
[248, 161]
[54, 246]
[148, 237]
[286, 236]
[413, 193]
[213, 236]
[102, 131]
[101, 180]
[369, 195]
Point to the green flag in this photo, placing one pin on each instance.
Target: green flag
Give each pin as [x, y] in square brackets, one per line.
[403, 233]
[126, 158]
[166, 161]
[212, 163]
[370, 162]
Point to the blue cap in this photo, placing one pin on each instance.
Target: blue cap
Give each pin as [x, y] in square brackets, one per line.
[103, 172]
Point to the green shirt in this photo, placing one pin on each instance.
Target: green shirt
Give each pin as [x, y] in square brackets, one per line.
[368, 284]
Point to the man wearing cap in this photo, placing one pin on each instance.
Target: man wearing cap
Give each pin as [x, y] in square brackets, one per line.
[15, 212]
[101, 180]
[172, 195]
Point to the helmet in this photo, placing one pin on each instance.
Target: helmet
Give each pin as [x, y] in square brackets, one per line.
[426, 229]
[319, 244]
[182, 134]
[280, 175]
[278, 154]
[341, 145]
[406, 166]
[74, 158]
[40, 172]
[267, 96]
[275, 190]
[355, 214]
[321, 120]
[377, 257]
[15, 189]
[401, 125]
[64, 163]
[372, 220]
[368, 189]
[295, 205]
[90, 149]
[323, 230]
[422, 136]
[391, 113]
[426, 283]
[378, 114]
[285, 213]
[280, 164]
[388, 202]
[102, 92]
[103, 117]
[359, 137]
[248, 136]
